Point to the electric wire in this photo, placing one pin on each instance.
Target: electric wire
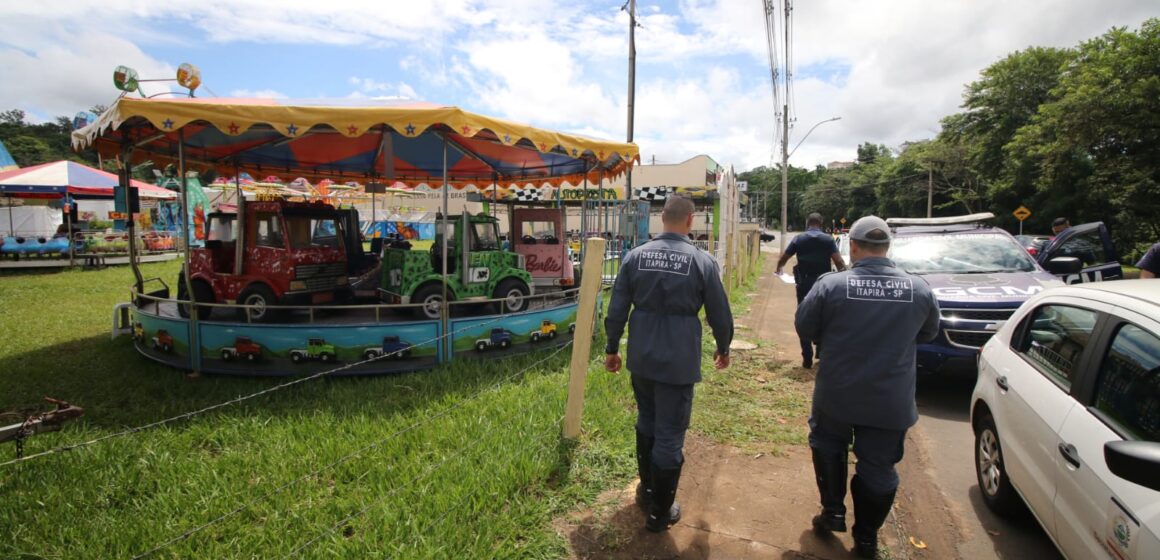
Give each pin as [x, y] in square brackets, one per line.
[342, 460]
[237, 400]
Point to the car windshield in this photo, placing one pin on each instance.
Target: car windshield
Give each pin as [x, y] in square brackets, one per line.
[960, 253]
[313, 231]
[486, 237]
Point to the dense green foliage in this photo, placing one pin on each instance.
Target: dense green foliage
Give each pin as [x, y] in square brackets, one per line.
[1064, 132]
[33, 144]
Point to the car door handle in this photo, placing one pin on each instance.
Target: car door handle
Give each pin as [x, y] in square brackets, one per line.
[1069, 454]
[1001, 381]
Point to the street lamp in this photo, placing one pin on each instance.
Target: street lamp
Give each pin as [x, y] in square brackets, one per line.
[785, 153]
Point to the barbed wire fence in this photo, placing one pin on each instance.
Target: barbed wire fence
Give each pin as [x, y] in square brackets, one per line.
[243, 398]
[350, 456]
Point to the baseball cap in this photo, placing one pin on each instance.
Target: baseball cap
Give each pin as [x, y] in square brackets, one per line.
[870, 229]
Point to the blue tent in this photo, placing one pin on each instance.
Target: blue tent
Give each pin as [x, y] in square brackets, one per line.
[6, 161]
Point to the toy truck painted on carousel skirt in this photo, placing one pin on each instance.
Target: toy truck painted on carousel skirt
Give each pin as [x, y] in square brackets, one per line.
[316, 349]
[476, 269]
[284, 253]
[392, 347]
[243, 348]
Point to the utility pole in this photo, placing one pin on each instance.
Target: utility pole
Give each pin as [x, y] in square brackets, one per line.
[631, 87]
[785, 132]
[929, 192]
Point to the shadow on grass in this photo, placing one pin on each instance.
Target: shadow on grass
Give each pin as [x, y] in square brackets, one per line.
[119, 388]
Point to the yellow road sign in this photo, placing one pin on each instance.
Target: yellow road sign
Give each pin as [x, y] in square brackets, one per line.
[843, 220]
[1022, 213]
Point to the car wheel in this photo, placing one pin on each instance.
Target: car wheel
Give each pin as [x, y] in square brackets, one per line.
[370, 355]
[326, 357]
[514, 293]
[503, 344]
[252, 357]
[552, 335]
[480, 347]
[227, 355]
[260, 298]
[994, 484]
[296, 357]
[430, 296]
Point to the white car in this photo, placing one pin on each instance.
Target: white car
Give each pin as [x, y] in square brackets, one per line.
[1066, 414]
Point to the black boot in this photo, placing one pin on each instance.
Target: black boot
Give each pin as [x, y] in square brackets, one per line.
[664, 510]
[644, 445]
[830, 470]
[870, 511]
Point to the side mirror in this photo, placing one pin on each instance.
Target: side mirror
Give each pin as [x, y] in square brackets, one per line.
[1064, 265]
[1137, 462]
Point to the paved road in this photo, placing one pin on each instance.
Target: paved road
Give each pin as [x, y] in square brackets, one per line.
[947, 442]
[944, 431]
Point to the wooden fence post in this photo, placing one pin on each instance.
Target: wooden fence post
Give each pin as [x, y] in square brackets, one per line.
[593, 277]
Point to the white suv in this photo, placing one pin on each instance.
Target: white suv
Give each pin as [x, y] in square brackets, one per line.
[1066, 414]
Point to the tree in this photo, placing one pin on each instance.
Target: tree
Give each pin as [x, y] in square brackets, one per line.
[1093, 145]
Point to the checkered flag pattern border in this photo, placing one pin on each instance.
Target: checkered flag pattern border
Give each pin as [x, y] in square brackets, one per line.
[651, 193]
[528, 195]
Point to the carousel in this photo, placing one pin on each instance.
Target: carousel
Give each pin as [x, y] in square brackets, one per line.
[272, 290]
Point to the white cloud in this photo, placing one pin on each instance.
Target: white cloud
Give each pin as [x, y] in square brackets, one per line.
[260, 93]
[702, 68]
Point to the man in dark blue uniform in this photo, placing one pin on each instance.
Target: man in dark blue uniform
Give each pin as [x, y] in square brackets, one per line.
[815, 250]
[666, 282]
[870, 319]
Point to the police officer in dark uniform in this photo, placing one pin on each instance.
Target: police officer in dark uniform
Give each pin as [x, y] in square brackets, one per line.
[815, 250]
[666, 282]
[870, 319]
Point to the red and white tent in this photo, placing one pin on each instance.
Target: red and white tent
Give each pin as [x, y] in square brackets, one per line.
[55, 179]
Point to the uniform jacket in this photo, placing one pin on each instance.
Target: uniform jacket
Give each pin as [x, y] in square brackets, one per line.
[868, 320]
[665, 282]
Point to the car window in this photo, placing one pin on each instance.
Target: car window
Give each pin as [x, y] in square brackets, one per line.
[1087, 246]
[1055, 338]
[1128, 388]
[960, 253]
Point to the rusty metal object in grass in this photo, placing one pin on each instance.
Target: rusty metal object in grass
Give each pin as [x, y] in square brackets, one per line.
[33, 424]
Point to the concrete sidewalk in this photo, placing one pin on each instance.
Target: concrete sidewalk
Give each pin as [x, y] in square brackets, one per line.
[739, 506]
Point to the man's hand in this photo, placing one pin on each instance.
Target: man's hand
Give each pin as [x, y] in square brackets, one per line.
[722, 361]
[612, 362]
[777, 272]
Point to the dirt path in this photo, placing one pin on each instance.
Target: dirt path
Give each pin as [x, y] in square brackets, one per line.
[742, 506]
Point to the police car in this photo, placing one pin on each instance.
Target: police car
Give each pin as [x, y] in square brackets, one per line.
[980, 275]
[1092, 245]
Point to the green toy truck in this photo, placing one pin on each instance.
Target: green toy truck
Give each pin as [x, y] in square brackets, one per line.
[316, 349]
[476, 269]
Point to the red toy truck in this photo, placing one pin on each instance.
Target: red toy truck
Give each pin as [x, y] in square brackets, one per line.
[287, 253]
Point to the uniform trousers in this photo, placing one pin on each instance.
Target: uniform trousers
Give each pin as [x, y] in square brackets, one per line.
[877, 449]
[663, 412]
[802, 285]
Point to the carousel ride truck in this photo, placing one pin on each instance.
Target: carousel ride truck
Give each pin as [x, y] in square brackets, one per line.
[285, 253]
[476, 269]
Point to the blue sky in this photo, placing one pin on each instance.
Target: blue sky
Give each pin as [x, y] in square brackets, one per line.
[890, 70]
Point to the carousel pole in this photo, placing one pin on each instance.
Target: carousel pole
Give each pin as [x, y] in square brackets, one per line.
[240, 202]
[125, 179]
[68, 223]
[445, 311]
[194, 339]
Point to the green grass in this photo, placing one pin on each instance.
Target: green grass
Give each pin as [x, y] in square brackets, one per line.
[481, 480]
[464, 461]
[758, 404]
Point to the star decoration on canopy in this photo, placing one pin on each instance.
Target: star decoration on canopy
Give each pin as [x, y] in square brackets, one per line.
[466, 130]
[234, 128]
[292, 129]
[410, 129]
[352, 129]
[167, 124]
